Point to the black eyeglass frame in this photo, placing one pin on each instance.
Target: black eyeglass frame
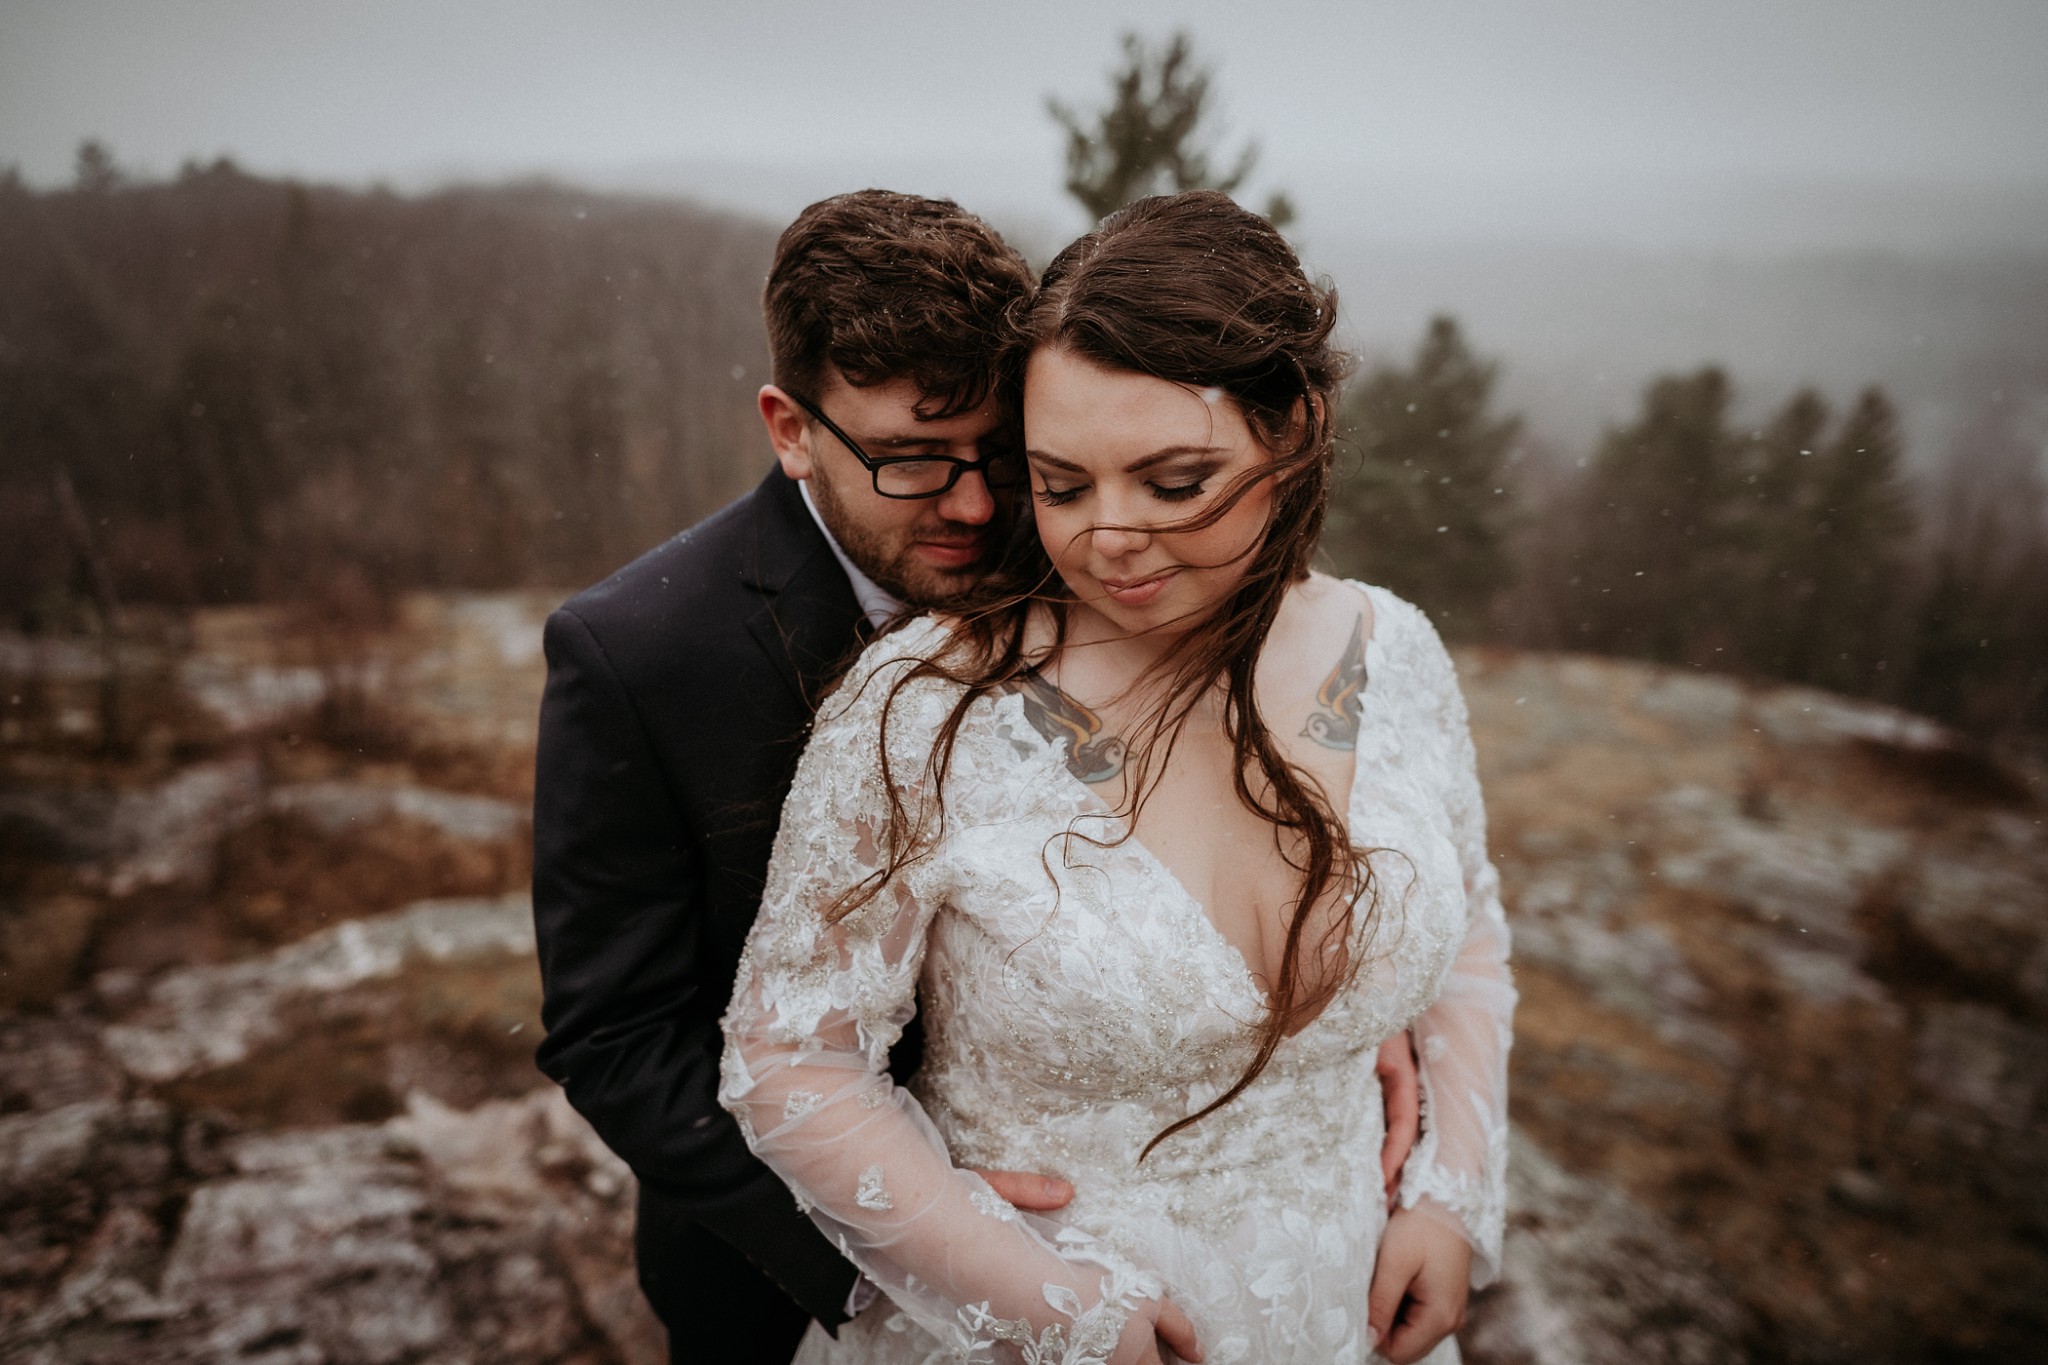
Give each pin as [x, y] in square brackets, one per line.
[875, 466]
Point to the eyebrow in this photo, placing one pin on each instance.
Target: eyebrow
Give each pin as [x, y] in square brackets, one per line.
[1136, 466]
[899, 442]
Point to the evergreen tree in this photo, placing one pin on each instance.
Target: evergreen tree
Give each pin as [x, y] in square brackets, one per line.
[1770, 538]
[94, 170]
[1850, 582]
[1150, 138]
[1657, 523]
[1979, 653]
[1425, 510]
[1951, 638]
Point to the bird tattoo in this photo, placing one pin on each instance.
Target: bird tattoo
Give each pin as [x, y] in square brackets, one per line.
[1073, 728]
[1340, 701]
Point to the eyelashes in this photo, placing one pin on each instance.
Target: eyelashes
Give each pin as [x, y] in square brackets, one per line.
[1179, 492]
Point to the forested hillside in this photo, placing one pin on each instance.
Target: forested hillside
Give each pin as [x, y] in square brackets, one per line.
[1794, 548]
[255, 387]
[223, 388]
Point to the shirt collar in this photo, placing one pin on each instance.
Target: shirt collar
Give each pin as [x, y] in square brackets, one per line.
[875, 603]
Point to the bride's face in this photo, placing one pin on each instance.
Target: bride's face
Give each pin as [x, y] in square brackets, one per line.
[1115, 456]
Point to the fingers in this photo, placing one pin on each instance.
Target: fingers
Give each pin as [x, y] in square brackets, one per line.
[1177, 1332]
[1139, 1343]
[1418, 1329]
[1391, 1275]
[1401, 1088]
[1039, 1193]
[1400, 1142]
[1428, 1269]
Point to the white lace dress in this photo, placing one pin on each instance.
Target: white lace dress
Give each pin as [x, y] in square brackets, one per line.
[1076, 999]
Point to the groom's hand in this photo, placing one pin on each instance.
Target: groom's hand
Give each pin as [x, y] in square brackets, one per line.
[1038, 1193]
[1044, 1193]
[1401, 1088]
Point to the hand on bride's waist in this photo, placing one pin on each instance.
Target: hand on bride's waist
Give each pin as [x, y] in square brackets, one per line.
[1154, 1324]
[1157, 1332]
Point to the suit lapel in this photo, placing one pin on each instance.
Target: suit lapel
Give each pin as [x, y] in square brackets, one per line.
[806, 616]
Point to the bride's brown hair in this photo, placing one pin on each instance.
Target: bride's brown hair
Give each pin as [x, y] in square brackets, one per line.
[1192, 289]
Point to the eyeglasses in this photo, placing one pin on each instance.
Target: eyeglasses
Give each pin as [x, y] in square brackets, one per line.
[921, 476]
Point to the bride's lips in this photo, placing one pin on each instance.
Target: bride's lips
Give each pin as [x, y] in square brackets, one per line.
[1136, 592]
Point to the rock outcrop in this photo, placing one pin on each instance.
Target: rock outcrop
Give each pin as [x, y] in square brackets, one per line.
[498, 1234]
[267, 1007]
[1780, 957]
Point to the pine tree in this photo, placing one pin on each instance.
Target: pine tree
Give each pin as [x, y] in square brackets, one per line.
[1657, 520]
[1979, 653]
[1952, 634]
[1149, 139]
[94, 170]
[1425, 511]
[1851, 579]
[1768, 584]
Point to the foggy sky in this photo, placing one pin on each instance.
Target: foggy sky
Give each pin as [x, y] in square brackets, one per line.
[1767, 122]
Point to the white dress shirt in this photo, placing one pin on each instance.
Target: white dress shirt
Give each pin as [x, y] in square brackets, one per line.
[875, 601]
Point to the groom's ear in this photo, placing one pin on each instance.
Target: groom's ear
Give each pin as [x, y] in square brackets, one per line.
[787, 431]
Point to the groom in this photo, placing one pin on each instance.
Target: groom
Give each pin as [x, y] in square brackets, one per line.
[679, 694]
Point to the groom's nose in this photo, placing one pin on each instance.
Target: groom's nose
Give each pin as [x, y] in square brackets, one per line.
[968, 501]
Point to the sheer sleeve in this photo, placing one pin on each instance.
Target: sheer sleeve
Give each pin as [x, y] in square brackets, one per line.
[1458, 1171]
[816, 1007]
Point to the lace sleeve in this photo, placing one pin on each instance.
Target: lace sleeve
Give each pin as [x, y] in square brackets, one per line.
[1458, 1171]
[817, 1006]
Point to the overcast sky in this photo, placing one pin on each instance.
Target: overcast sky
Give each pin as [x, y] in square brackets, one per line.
[1637, 121]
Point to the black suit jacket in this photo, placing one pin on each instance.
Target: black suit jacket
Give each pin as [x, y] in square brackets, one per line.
[679, 694]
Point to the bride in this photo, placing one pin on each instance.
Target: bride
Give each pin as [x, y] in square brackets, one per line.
[1162, 834]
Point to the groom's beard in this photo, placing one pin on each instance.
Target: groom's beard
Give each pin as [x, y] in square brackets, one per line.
[910, 562]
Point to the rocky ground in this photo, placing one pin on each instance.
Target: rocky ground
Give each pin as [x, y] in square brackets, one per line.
[1784, 972]
[267, 1007]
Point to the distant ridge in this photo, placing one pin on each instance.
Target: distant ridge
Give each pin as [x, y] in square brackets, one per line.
[253, 383]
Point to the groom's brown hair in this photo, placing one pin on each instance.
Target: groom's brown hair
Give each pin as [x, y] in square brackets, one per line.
[886, 286]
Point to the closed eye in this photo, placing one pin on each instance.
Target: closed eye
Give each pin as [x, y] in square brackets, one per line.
[1177, 492]
[1055, 497]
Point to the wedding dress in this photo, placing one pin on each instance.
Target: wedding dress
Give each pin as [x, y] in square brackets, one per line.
[1076, 1000]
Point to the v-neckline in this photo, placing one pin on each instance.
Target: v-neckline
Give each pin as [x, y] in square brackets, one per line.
[1100, 809]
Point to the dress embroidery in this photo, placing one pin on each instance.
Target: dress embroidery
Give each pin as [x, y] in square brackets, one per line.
[870, 1194]
[1076, 1000]
[992, 1204]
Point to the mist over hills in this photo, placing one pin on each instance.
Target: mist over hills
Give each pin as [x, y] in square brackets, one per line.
[1585, 288]
[1580, 329]
[228, 387]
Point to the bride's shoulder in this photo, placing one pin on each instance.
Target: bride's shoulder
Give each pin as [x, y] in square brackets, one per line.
[910, 637]
[1400, 633]
[890, 671]
[1328, 605]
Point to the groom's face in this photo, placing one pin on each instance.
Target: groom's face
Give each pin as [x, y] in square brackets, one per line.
[925, 551]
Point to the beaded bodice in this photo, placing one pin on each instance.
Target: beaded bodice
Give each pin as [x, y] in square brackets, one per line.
[1076, 1000]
